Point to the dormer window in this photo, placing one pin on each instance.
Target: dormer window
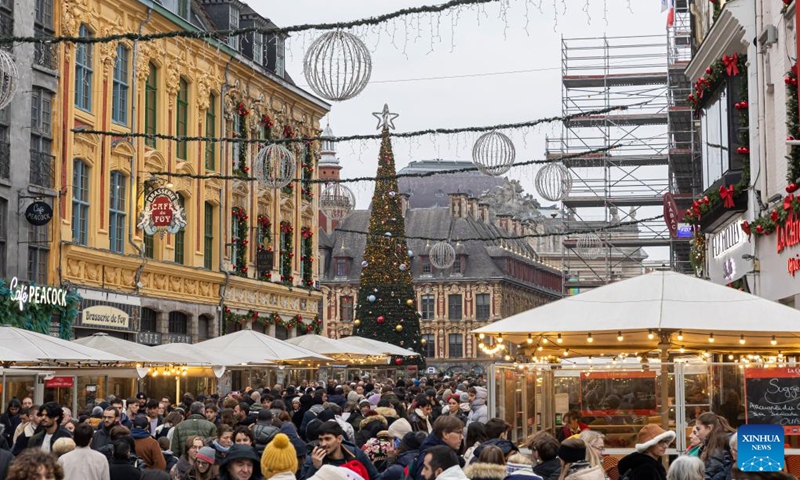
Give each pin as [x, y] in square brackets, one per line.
[258, 48]
[233, 24]
[280, 56]
[427, 268]
[458, 266]
[342, 266]
[184, 9]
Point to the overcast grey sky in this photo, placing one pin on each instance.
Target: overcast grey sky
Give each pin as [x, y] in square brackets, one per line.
[469, 48]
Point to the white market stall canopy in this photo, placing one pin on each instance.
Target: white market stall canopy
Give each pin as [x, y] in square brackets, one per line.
[332, 347]
[136, 351]
[51, 349]
[636, 314]
[251, 347]
[381, 348]
[198, 355]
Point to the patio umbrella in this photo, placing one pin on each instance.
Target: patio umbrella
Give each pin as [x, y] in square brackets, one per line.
[135, 351]
[381, 348]
[51, 349]
[251, 347]
[331, 347]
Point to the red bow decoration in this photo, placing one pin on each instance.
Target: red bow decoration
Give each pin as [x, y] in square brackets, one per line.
[787, 202]
[726, 194]
[746, 228]
[731, 64]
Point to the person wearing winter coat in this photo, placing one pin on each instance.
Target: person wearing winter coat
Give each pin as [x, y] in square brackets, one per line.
[146, 446]
[574, 465]
[441, 463]
[404, 456]
[357, 414]
[544, 450]
[241, 463]
[121, 468]
[419, 418]
[490, 465]
[378, 449]
[447, 431]
[279, 459]
[370, 427]
[195, 424]
[311, 414]
[455, 408]
[332, 450]
[715, 433]
[169, 458]
[520, 467]
[186, 461]
[479, 412]
[10, 419]
[263, 430]
[645, 462]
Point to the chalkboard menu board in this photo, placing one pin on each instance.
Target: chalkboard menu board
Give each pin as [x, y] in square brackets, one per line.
[772, 396]
[609, 393]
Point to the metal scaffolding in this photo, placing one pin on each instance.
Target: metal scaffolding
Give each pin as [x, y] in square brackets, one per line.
[628, 181]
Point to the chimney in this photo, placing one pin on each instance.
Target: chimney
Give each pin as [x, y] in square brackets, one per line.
[483, 212]
[503, 220]
[472, 207]
[404, 202]
[458, 205]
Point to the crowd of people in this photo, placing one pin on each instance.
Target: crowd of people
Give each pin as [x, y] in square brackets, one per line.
[415, 430]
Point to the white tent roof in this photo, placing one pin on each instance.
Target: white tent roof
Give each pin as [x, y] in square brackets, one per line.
[134, 351]
[376, 346]
[658, 301]
[252, 347]
[47, 348]
[18, 356]
[198, 355]
[332, 347]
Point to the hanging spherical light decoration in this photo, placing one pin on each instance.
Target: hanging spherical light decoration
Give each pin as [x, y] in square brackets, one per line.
[336, 201]
[589, 245]
[8, 78]
[274, 166]
[493, 153]
[554, 182]
[442, 255]
[337, 66]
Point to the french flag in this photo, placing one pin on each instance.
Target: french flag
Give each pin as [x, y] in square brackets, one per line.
[669, 5]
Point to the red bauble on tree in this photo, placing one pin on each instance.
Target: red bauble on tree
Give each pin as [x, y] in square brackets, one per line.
[381, 319]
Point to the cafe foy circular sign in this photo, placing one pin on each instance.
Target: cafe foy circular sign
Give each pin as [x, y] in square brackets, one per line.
[39, 214]
[162, 212]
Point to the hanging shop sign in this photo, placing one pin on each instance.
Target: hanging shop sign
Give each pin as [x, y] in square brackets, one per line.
[36, 295]
[725, 249]
[59, 382]
[105, 317]
[39, 214]
[162, 212]
[672, 215]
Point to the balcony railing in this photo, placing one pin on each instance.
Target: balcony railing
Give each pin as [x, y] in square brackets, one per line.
[42, 169]
[5, 160]
[45, 55]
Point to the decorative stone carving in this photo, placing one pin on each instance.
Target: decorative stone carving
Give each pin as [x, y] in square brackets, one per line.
[173, 80]
[143, 55]
[175, 284]
[203, 90]
[127, 278]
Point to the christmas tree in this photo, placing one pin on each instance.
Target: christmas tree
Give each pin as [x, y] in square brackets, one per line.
[387, 306]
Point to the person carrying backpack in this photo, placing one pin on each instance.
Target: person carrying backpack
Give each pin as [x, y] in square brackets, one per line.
[645, 462]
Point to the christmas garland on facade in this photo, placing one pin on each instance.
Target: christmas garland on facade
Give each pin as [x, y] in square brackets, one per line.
[37, 317]
[240, 167]
[287, 253]
[288, 133]
[307, 256]
[697, 252]
[274, 319]
[267, 123]
[704, 87]
[264, 239]
[717, 9]
[308, 170]
[240, 241]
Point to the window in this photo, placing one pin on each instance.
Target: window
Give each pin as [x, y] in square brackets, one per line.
[3, 234]
[183, 9]
[83, 71]
[119, 98]
[428, 306]
[148, 320]
[116, 212]
[235, 246]
[44, 55]
[280, 55]
[346, 308]
[178, 323]
[149, 246]
[235, 152]
[203, 326]
[182, 117]
[233, 23]
[429, 348]
[482, 306]
[180, 237]
[211, 122]
[38, 253]
[150, 106]
[721, 125]
[281, 332]
[454, 307]
[426, 266]
[208, 236]
[258, 48]
[5, 145]
[80, 202]
[341, 267]
[455, 345]
[43, 13]
[41, 166]
[457, 265]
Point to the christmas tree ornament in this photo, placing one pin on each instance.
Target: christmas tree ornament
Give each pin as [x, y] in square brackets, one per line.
[357, 322]
[402, 267]
[493, 153]
[9, 77]
[589, 245]
[399, 328]
[423, 341]
[274, 166]
[410, 302]
[371, 299]
[364, 264]
[381, 319]
[442, 255]
[337, 66]
[388, 234]
[336, 201]
[554, 182]
[392, 194]
[410, 253]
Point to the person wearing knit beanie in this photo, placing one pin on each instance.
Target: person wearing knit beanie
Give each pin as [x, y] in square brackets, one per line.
[207, 454]
[279, 460]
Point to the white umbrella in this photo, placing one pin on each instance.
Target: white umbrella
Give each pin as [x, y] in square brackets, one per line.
[251, 347]
[134, 351]
[382, 348]
[331, 347]
[9, 355]
[198, 355]
[47, 348]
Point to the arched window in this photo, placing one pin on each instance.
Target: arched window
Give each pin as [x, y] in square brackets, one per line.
[116, 212]
[178, 323]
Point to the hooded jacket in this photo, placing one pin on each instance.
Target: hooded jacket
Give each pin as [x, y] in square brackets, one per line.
[485, 471]
[148, 450]
[584, 471]
[453, 473]
[349, 452]
[642, 467]
[505, 445]
[311, 414]
[390, 414]
[479, 411]
[549, 470]
[370, 427]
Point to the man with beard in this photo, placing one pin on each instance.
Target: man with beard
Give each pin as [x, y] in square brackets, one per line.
[102, 436]
[50, 420]
[441, 463]
[332, 450]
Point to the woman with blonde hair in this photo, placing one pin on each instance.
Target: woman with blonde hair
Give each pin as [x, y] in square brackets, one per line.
[686, 467]
[574, 465]
[595, 445]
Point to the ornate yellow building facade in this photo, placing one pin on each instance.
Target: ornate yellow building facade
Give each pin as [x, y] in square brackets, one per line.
[181, 287]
